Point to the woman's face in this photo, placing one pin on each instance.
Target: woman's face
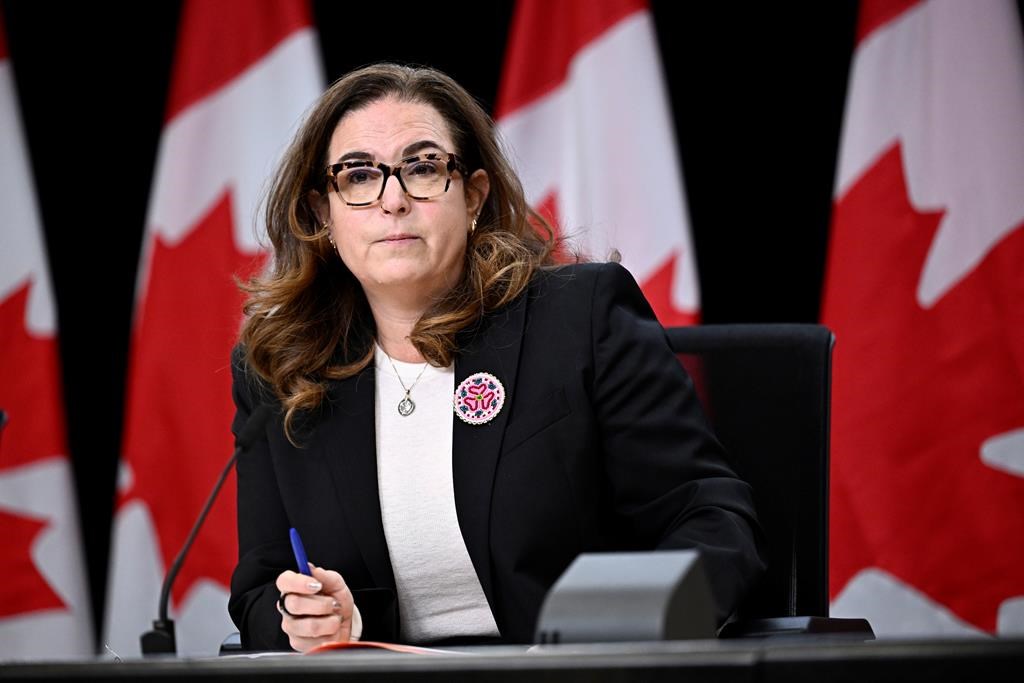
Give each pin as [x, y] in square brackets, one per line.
[399, 246]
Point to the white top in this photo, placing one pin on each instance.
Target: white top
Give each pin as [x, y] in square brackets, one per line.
[439, 594]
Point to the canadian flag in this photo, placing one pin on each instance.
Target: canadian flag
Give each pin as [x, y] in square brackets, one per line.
[243, 75]
[925, 292]
[44, 603]
[584, 111]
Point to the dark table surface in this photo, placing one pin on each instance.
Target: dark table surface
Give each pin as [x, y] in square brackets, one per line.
[793, 659]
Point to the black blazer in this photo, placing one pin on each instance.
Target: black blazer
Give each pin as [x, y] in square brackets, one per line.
[601, 445]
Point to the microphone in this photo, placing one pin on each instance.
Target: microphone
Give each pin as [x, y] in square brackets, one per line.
[161, 639]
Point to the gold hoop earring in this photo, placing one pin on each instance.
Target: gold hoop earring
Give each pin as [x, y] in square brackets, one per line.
[472, 227]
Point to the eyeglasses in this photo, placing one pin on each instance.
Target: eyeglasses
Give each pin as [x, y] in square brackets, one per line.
[361, 182]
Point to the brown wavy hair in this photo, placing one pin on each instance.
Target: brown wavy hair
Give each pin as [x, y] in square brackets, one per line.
[308, 321]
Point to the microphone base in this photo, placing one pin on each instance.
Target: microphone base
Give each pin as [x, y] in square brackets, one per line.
[159, 641]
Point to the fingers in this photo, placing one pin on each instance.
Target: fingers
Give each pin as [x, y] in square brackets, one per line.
[306, 632]
[335, 587]
[314, 609]
[314, 628]
[331, 580]
[293, 582]
[298, 605]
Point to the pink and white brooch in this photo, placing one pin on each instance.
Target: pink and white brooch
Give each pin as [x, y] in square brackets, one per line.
[479, 398]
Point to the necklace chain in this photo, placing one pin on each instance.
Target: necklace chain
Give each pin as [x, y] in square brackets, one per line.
[406, 405]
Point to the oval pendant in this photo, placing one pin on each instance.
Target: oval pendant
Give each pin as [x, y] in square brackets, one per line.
[406, 406]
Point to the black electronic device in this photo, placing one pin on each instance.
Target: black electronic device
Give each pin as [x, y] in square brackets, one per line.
[637, 596]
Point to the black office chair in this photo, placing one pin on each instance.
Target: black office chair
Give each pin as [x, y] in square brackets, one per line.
[766, 389]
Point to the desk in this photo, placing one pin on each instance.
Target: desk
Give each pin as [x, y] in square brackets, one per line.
[752, 661]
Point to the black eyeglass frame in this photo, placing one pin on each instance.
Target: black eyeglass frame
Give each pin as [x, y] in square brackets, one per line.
[452, 163]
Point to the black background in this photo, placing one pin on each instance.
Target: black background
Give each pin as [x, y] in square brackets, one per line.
[757, 92]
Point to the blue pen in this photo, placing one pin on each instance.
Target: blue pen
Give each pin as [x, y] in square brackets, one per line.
[300, 552]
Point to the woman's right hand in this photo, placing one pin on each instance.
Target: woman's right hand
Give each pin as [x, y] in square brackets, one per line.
[315, 609]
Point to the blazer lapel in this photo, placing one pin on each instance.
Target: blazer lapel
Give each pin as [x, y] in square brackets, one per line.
[347, 442]
[492, 348]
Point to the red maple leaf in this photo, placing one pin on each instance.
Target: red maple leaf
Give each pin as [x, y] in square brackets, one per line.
[915, 394]
[29, 389]
[23, 589]
[177, 437]
[30, 393]
[658, 290]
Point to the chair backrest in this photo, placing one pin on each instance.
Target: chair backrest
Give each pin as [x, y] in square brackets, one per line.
[767, 392]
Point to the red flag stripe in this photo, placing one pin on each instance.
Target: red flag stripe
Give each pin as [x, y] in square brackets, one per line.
[877, 13]
[3, 38]
[212, 50]
[544, 37]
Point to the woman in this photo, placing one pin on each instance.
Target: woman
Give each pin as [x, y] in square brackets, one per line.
[459, 418]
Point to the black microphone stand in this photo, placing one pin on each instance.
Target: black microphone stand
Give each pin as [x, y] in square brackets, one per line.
[161, 639]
